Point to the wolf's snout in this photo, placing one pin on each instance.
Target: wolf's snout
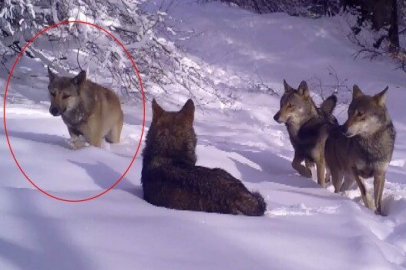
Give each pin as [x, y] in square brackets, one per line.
[277, 116]
[344, 130]
[54, 111]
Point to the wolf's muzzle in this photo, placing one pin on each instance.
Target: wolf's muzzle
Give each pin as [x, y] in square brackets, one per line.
[54, 111]
[276, 117]
[344, 130]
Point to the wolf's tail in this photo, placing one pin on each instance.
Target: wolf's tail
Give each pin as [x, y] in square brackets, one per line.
[329, 104]
[253, 204]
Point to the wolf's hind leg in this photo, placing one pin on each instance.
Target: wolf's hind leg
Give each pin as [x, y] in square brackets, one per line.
[348, 182]
[114, 134]
[302, 170]
[337, 179]
[328, 175]
[321, 172]
[93, 137]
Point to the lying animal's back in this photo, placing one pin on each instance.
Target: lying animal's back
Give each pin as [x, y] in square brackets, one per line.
[187, 187]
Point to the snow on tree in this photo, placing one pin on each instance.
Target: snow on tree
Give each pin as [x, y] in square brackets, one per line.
[72, 47]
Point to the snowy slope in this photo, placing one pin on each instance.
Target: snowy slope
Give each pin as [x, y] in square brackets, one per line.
[306, 227]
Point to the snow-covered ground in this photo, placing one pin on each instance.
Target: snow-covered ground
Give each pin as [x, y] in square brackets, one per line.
[305, 227]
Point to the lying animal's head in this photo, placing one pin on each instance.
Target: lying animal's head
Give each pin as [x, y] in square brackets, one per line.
[295, 104]
[366, 114]
[171, 134]
[64, 92]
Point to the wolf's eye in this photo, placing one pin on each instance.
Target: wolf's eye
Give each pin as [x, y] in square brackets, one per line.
[52, 94]
[290, 105]
[65, 96]
[360, 114]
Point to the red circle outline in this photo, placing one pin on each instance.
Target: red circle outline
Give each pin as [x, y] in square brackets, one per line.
[5, 122]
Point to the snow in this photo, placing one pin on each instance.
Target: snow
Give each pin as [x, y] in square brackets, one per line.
[305, 227]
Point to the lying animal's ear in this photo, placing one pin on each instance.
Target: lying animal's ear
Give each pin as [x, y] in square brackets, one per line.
[380, 98]
[156, 110]
[51, 75]
[303, 89]
[188, 110]
[286, 86]
[356, 92]
[79, 79]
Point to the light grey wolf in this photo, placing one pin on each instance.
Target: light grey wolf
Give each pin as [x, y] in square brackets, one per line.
[363, 147]
[170, 177]
[308, 127]
[86, 108]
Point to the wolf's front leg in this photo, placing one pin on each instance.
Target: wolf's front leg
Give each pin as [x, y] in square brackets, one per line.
[297, 165]
[379, 183]
[75, 140]
[364, 193]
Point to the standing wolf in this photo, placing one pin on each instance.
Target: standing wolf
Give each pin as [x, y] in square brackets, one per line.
[364, 146]
[170, 177]
[308, 127]
[86, 108]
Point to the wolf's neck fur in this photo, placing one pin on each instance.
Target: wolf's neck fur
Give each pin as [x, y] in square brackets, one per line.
[379, 145]
[76, 115]
[158, 152]
[295, 125]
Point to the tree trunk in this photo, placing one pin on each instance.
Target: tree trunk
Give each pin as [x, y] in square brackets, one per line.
[393, 32]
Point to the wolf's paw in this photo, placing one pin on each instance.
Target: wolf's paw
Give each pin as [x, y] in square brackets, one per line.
[305, 172]
[77, 144]
[369, 203]
[380, 213]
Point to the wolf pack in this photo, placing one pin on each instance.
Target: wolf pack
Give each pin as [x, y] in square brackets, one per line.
[344, 154]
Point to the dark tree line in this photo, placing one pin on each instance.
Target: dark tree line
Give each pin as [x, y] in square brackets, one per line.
[382, 14]
[309, 8]
[385, 19]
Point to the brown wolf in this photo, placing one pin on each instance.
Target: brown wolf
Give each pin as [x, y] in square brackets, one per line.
[308, 127]
[170, 177]
[86, 108]
[363, 147]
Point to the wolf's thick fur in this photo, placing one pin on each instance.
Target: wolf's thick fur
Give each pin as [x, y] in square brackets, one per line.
[171, 179]
[363, 147]
[86, 108]
[308, 127]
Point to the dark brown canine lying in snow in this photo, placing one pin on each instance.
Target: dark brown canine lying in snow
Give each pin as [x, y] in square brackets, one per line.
[86, 108]
[170, 177]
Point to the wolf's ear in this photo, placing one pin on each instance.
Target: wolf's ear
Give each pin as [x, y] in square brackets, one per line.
[286, 86]
[79, 79]
[303, 89]
[380, 98]
[188, 110]
[356, 92]
[156, 110]
[51, 75]
[329, 104]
